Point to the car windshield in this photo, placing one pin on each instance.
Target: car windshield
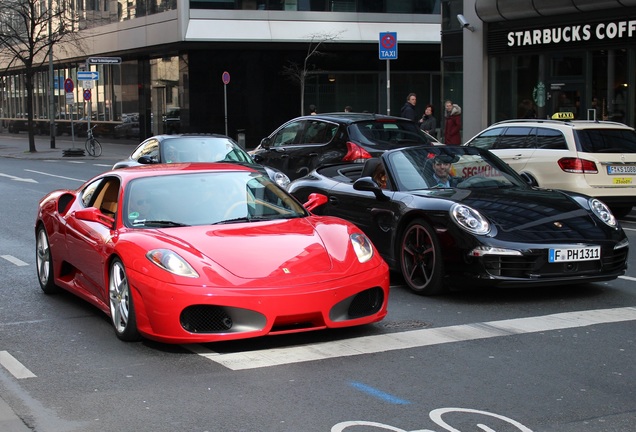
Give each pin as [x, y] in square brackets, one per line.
[203, 149]
[415, 168]
[205, 198]
[393, 132]
[606, 140]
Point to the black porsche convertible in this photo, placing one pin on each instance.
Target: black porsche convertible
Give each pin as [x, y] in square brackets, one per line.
[451, 215]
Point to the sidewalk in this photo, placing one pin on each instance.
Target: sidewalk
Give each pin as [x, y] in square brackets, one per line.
[17, 146]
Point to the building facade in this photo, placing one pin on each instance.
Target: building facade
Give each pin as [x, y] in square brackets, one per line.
[535, 58]
[209, 66]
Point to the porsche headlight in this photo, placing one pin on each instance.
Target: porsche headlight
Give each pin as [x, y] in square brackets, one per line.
[362, 246]
[602, 211]
[469, 219]
[172, 262]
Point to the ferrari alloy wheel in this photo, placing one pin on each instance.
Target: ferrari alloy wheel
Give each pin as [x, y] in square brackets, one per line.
[44, 262]
[122, 311]
[420, 259]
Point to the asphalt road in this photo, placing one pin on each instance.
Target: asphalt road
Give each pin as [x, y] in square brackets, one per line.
[549, 359]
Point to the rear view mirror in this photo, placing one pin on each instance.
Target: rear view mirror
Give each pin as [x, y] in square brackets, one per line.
[93, 214]
[315, 200]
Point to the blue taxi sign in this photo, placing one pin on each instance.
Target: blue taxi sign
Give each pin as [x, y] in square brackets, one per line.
[388, 46]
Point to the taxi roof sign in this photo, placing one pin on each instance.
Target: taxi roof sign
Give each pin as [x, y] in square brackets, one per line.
[563, 116]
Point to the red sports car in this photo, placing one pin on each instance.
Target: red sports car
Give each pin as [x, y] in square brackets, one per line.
[192, 253]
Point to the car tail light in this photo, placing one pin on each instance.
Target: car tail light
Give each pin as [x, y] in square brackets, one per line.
[355, 153]
[578, 166]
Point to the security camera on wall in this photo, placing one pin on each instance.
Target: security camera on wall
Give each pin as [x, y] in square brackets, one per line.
[464, 22]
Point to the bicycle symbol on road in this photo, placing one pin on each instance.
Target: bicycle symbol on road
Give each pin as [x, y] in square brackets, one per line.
[436, 416]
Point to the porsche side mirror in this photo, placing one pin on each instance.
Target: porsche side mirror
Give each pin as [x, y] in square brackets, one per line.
[266, 143]
[367, 184]
[315, 200]
[93, 214]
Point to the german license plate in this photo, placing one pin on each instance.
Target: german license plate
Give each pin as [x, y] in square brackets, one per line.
[587, 253]
[621, 169]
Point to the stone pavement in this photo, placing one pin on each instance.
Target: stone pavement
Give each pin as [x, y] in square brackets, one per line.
[17, 146]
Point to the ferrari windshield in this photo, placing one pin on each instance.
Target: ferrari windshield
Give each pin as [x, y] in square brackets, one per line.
[417, 168]
[205, 198]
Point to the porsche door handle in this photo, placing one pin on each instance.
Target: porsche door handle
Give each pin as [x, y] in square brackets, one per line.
[333, 200]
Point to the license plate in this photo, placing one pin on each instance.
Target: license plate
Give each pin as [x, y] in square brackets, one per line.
[588, 253]
[621, 169]
[622, 181]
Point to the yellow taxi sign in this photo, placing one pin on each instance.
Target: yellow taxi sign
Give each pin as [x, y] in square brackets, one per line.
[563, 116]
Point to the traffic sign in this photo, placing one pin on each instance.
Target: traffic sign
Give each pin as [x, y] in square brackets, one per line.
[388, 46]
[87, 94]
[87, 75]
[68, 85]
[226, 78]
[103, 60]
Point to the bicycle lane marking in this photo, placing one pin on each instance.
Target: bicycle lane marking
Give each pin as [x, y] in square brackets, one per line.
[413, 339]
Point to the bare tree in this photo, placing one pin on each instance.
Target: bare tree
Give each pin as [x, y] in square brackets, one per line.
[298, 73]
[29, 30]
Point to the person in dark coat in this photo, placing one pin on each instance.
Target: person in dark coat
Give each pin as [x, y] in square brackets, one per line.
[408, 110]
[428, 123]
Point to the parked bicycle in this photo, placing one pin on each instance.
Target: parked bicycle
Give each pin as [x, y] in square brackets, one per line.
[93, 147]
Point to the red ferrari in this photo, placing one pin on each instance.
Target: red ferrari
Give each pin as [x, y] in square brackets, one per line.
[192, 253]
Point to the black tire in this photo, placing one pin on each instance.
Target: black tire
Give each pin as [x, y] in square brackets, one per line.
[122, 309]
[420, 259]
[44, 262]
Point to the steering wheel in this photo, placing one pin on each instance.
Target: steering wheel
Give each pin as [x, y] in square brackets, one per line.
[232, 208]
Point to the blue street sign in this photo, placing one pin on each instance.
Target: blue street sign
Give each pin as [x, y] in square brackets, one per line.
[87, 75]
[388, 46]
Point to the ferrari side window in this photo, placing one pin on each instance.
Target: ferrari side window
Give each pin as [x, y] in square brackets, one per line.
[88, 194]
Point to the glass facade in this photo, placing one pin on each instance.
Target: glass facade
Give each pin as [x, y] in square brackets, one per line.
[372, 6]
[594, 84]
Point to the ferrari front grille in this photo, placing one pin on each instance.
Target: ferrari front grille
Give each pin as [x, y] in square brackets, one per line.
[205, 319]
[366, 303]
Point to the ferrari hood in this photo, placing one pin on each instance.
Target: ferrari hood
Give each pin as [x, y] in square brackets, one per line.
[262, 249]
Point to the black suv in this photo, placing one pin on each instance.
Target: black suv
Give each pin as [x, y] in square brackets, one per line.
[304, 143]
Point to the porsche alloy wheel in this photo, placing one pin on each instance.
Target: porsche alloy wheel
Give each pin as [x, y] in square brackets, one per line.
[44, 262]
[420, 259]
[122, 311]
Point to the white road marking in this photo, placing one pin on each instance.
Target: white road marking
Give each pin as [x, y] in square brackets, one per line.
[14, 260]
[14, 367]
[103, 165]
[629, 229]
[413, 339]
[57, 176]
[629, 278]
[14, 178]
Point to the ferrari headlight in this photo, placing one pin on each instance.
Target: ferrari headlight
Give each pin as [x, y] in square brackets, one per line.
[469, 219]
[362, 246]
[172, 262]
[602, 211]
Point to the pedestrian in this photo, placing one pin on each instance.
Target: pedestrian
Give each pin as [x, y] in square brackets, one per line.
[428, 123]
[408, 110]
[312, 109]
[452, 123]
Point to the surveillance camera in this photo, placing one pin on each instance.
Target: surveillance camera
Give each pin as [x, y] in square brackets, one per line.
[464, 22]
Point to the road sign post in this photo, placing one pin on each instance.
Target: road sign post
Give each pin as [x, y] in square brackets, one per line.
[226, 80]
[388, 50]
